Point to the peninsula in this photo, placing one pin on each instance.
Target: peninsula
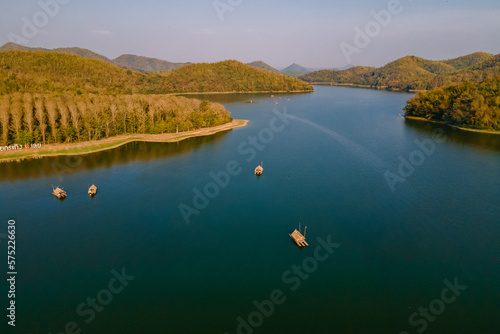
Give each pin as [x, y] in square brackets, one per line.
[467, 106]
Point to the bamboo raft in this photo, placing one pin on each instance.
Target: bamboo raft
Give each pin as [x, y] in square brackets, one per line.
[298, 238]
[259, 169]
[59, 193]
[92, 190]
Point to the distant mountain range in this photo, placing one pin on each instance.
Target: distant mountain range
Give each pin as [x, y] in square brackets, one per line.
[130, 62]
[147, 64]
[296, 68]
[413, 73]
[260, 64]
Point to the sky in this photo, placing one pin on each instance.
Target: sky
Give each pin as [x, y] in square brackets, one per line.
[314, 33]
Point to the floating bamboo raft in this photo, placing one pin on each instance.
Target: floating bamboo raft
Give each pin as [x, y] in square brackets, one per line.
[92, 190]
[259, 169]
[59, 193]
[298, 238]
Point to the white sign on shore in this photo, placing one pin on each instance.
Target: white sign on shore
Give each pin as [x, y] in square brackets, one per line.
[17, 147]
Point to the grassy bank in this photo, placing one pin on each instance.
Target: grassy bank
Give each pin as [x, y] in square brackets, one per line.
[113, 142]
[453, 126]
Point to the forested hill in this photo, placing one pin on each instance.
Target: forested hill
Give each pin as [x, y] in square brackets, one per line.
[37, 72]
[469, 105]
[414, 73]
[231, 75]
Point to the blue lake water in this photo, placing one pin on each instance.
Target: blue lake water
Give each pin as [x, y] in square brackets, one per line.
[403, 226]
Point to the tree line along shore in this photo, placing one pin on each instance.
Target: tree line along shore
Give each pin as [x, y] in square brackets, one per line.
[467, 105]
[47, 118]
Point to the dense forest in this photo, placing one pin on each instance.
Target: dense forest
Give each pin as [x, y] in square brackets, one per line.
[48, 118]
[470, 105]
[413, 73]
[25, 71]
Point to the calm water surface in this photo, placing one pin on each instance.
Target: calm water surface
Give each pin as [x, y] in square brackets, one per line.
[325, 165]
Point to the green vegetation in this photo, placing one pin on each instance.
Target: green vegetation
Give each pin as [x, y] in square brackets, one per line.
[468, 105]
[24, 71]
[231, 76]
[50, 118]
[413, 73]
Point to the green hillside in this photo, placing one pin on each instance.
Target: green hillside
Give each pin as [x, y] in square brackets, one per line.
[469, 105]
[469, 60]
[229, 76]
[414, 73]
[40, 72]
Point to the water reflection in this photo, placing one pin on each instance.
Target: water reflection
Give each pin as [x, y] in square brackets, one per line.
[131, 152]
[475, 139]
[243, 97]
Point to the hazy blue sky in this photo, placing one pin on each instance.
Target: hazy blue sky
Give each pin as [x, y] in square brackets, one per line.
[278, 32]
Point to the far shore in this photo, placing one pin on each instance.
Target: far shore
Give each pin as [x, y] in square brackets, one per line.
[493, 132]
[243, 92]
[114, 142]
[366, 86]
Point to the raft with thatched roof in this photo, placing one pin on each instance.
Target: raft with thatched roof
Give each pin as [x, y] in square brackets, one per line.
[92, 190]
[259, 169]
[59, 193]
[298, 238]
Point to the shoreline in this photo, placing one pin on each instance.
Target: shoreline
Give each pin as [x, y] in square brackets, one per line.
[336, 84]
[51, 150]
[245, 92]
[422, 119]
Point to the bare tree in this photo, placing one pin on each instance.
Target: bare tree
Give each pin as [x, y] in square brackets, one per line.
[28, 112]
[75, 117]
[4, 118]
[84, 114]
[65, 116]
[40, 115]
[51, 107]
[17, 111]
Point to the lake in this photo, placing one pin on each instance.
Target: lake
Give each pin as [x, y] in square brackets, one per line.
[403, 226]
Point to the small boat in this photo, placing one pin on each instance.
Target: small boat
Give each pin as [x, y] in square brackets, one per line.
[259, 169]
[298, 238]
[92, 190]
[59, 193]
